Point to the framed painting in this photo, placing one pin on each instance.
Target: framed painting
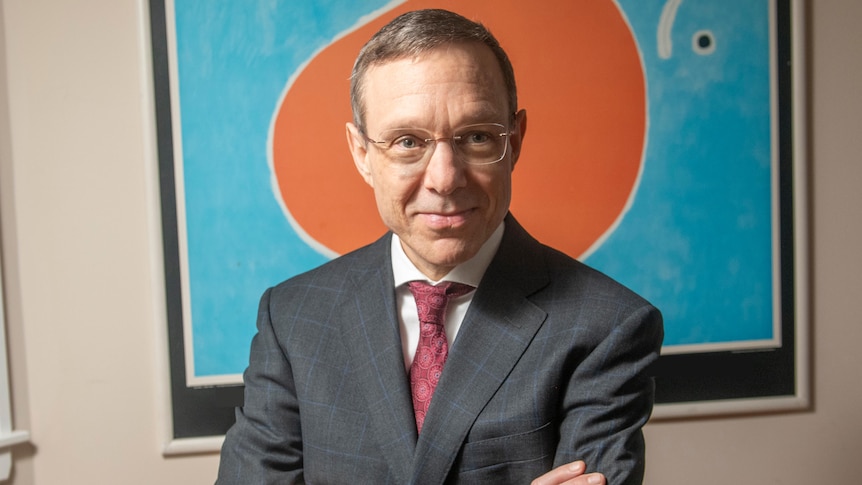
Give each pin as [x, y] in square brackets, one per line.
[665, 149]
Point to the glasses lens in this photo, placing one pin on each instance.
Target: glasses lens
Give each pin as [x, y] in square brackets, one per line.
[406, 146]
[480, 144]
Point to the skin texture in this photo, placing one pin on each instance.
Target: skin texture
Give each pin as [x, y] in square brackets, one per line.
[444, 213]
[570, 474]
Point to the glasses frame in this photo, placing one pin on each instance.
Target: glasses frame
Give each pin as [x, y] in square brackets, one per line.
[386, 145]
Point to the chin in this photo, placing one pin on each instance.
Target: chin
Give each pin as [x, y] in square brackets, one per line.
[453, 253]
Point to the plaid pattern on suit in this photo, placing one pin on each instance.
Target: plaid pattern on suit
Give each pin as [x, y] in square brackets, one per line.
[548, 367]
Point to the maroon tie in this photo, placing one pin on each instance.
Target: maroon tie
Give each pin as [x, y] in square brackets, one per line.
[432, 350]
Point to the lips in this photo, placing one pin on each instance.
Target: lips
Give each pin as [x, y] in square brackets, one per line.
[446, 220]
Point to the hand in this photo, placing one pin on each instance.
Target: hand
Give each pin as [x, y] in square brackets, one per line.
[570, 474]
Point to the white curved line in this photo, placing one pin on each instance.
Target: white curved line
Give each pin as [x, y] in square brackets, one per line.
[300, 231]
[630, 200]
[665, 25]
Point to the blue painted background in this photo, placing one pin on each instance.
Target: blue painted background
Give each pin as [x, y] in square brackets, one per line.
[697, 240]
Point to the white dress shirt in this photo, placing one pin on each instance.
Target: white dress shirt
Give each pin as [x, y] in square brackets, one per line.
[469, 272]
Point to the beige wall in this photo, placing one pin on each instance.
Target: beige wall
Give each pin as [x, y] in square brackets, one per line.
[83, 306]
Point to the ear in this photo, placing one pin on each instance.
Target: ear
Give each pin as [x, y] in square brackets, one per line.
[517, 138]
[359, 151]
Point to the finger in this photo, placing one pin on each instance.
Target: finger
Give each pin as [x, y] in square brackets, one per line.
[591, 479]
[561, 474]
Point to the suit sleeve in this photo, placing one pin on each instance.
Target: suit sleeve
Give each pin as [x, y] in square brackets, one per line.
[609, 398]
[265, 444]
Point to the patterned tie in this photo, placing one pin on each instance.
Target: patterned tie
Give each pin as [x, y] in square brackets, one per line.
[431, 302]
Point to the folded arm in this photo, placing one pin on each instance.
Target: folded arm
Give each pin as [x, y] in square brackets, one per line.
[608, 400]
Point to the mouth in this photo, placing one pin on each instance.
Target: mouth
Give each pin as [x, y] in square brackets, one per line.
[448, 220]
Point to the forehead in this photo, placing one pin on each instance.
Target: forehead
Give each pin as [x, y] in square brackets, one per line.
[448, 85]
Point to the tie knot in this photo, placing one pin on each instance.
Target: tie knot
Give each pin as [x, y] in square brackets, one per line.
[431, 301]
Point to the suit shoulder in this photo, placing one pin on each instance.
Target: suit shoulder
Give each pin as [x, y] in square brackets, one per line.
[568, 271]
[333, 274]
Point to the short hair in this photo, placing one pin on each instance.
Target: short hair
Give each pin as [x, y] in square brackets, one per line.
[418, 32]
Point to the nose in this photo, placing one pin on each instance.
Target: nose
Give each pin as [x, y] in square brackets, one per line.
[444, 173]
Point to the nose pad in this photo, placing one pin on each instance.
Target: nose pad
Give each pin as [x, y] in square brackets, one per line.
[444, 147]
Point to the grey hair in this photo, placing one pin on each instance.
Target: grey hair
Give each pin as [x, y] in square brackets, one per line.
[418, 32]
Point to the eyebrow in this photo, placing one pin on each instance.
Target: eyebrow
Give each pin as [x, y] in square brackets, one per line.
[417, 124]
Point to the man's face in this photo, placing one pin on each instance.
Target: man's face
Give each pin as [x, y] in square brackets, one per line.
[444, 210]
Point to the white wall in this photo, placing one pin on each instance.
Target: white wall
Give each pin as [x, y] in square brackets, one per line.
[84, 323]
[84, 328]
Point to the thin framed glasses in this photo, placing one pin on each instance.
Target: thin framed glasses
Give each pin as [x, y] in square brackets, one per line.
[479, 144]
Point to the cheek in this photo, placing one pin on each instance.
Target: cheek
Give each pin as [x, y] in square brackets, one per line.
[498, 189]
[393, 193]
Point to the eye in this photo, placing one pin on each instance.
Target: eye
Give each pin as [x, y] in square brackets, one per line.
[476, 137]
[407, 142]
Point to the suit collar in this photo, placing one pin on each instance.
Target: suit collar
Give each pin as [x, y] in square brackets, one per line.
[373, 342]
[497, 329]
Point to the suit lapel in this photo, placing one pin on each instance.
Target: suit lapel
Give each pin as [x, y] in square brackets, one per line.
[497, 329]
[374, 344]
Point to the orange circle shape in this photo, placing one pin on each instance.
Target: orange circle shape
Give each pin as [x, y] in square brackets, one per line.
[580, 78]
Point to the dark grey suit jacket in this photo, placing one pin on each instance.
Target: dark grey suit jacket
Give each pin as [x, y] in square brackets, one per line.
[548, 367]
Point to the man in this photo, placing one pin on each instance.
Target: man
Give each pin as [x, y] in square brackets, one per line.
[544, 376]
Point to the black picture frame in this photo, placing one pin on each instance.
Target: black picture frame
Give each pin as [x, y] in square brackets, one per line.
[687, 384]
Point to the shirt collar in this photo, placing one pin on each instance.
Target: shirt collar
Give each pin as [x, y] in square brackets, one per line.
[469, 272]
